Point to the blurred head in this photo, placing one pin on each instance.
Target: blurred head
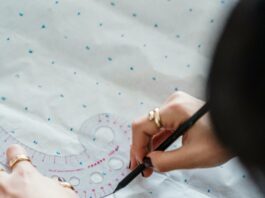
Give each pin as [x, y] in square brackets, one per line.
[236, 85]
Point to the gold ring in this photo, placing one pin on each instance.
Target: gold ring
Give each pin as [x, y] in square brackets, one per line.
[2, 170]
[154, 115]
[17, 159]
[67, 185]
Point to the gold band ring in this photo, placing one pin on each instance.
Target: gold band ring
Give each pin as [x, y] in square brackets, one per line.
[17, 159]
[67, 185]
[154, 115]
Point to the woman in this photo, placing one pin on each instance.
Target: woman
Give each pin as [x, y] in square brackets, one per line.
[235, 125]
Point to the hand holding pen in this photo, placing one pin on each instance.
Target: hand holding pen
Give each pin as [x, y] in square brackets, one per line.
[200, 148]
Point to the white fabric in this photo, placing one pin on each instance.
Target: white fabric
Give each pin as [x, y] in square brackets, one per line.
[62, 62]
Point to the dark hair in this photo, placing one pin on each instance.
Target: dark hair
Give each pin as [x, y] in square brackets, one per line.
[236, 85]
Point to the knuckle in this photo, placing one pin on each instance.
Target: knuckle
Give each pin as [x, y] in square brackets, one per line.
[135, 125]
[24, 172]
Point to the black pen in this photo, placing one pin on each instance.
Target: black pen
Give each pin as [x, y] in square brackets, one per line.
[171, 139]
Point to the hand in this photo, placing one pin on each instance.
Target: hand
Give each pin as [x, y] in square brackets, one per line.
[200, 148]
[26, 182]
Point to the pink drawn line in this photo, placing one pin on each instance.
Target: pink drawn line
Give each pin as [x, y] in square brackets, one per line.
[65, 171]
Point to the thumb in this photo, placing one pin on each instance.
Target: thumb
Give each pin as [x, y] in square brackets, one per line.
[163, 161]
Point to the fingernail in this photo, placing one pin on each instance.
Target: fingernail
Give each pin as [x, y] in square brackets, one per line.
[129, 165]
[148, 162]
[142, 173]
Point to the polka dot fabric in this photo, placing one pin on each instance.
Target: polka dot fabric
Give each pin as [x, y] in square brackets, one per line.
[63, 61]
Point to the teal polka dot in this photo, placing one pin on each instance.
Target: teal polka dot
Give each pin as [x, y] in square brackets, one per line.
[190, 9]
[100, 24]
[178, 36]
[212, 21]
[21, 14]
[112, 3]
[208, 190]
[61, 95]
[109, 59]
[87, 47]
[155, 25]
[26, 108]
[56, 2]
[8, 39]
[43, 26]
[71, 129]
[134, 15]
[84, 106]
[30, 51]
[3, 98]
[52, 62]
[35, 142]
[49, 119]
[58, 153]
[78, 13]
[154, 78]
[131, 68]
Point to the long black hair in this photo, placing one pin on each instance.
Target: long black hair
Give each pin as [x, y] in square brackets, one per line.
[236, 86]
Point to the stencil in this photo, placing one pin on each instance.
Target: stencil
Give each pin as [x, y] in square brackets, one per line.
[96, 171]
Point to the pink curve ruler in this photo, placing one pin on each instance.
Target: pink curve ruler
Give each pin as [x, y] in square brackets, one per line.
[96, 171]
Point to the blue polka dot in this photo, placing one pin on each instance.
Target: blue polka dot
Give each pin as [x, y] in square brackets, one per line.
[43, 26]
[58, 153]
[71, 129]
[78, 13]
[84, 106]
[112, 3]
[8, 39]
[109, 59]
[52, 62]
[188, 65]
[244, 176]
[176, 89]
[212, 21]
[134, 15]
[56, 2]
[185, 180]
[154, 78]
[49, 119]
[87, 47]
[97, 83]
[26, 108]
[155, 25]
[35, 142]
[61, 95]
[178, 36]
[131, 68]
[81, 163]
[100, 24]
[190, 9]
[30, 51]
[199, 46]
[119, 93]
[3, 98]
[208, 190]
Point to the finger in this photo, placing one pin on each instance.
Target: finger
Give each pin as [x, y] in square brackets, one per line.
[182, 158]
[12, 152]
[160, 138]
[133, 162]
[142, 131]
